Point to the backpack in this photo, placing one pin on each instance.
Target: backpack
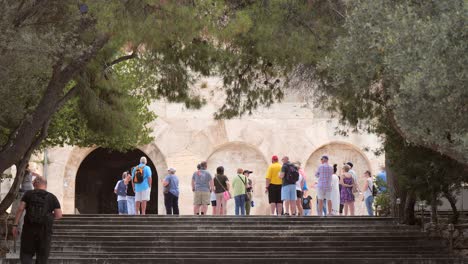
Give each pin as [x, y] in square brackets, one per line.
[139, 174]
[374, 190]
[291, 174]
[37, 208]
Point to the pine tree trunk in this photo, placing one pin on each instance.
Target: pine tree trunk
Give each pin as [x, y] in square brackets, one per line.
[410, 202]
[453, 203]
[392, 188]
[434, 218]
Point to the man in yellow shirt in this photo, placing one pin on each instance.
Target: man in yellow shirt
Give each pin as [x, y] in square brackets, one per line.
[273, 186]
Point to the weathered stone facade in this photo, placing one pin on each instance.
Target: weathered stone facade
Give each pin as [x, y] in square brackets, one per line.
[183, 138]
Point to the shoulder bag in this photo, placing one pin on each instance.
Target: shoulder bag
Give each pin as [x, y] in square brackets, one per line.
[226, 193]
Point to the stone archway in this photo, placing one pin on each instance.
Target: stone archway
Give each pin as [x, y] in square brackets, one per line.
[339, 153]
[97, 176]
[234, 155]
[78, 155]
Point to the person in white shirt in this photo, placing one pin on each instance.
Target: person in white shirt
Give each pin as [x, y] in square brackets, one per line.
[368, 196]
[335, 192]
[299, 187]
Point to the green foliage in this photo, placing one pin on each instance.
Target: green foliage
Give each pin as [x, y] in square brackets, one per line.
[383, 200]
[404, 63]
[155, 49]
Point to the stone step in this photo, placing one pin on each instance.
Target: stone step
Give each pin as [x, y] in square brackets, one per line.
[247, 252]
[291, 247]
[243, 235]
[109, 239]
[245, 238]
[248, 260]
[208, 227]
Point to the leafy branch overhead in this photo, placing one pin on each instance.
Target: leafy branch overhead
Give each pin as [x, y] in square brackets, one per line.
[403, 65]
[147, 50]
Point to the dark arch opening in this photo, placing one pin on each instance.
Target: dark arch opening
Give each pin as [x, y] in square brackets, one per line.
[97, 176]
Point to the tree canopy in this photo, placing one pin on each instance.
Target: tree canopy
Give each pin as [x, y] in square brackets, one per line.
[403, 64]
[84, 73]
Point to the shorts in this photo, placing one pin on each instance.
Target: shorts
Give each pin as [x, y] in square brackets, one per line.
[213, 203]
[201, 198]
[323, 194]
[299, 194]
[143, 195]
[288, 192]
[274, 194]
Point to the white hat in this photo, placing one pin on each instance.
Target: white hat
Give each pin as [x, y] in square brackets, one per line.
[171, 170]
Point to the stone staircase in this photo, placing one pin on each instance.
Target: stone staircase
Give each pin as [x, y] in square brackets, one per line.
[112, 239]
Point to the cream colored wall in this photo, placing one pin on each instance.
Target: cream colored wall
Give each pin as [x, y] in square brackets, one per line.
[183, 138]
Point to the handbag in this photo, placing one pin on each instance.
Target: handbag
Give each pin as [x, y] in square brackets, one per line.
[226, 193]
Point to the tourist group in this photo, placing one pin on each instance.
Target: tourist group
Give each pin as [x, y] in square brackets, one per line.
[337, 189]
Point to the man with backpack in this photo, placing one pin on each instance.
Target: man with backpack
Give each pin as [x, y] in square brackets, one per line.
[142, 181]
[290, 175]
[41, 208]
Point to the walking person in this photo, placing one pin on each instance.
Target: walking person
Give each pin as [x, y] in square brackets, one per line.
[171, 192]
[121, 190]
[142, 182]
[335, 192]
[290, 175]
[41, 208]
[221, 184]
[299, 189]
[324, 175]
[273, 186]
[248, 192]
[369, 193]
[239, 184]
[202, 186]
[347, 195]
[130, 194]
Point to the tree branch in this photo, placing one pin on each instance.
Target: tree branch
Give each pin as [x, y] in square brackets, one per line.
[437, 148]
[21, 166]
[121, 59]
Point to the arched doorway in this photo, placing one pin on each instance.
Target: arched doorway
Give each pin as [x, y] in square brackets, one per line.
[340, 153]
[97, 176]
[236, 155]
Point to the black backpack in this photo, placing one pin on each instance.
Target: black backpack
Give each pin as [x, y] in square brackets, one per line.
[374, 190]
[38, 211]
[291, 175]
[139, 174]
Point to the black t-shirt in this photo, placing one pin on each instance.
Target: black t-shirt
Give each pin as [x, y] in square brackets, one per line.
[285, 169]
[220, 183]
[306, 202]
[130, 191]
[51, 201]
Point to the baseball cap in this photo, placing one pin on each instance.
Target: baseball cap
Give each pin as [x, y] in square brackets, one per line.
[325, 157]
[274, 158]
[248, 171]
[171, 169]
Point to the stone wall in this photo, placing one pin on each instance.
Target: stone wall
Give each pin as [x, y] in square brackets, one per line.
[183, 138]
